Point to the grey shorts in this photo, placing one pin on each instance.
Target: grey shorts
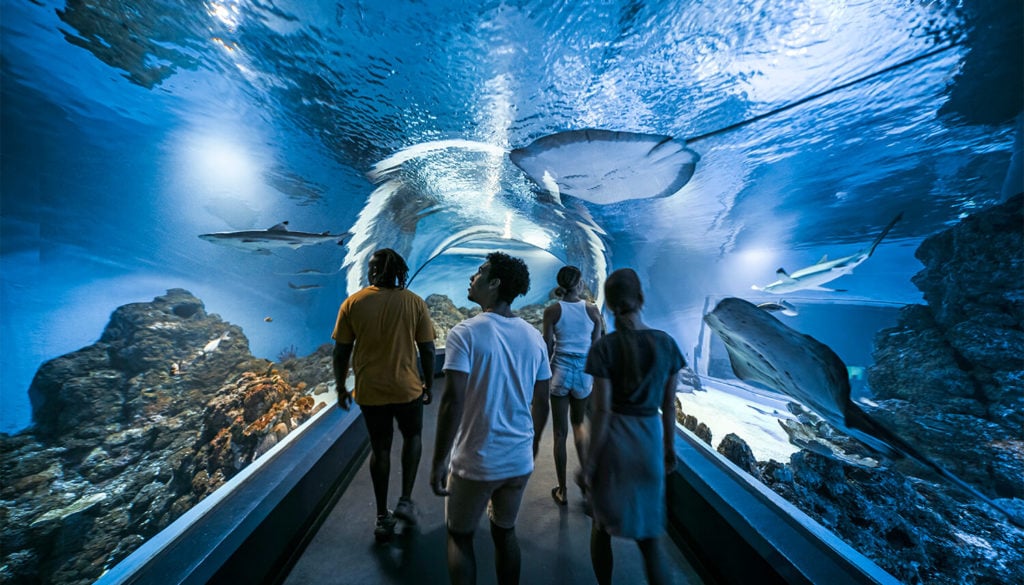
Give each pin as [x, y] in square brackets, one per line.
[568, 377]
[467, 499]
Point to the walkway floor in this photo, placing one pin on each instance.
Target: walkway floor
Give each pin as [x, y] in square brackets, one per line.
[555, 540]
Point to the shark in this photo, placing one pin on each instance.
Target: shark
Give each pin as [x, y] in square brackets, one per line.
[784, 307]
[764, 350]
[278, 236]
[824, 270]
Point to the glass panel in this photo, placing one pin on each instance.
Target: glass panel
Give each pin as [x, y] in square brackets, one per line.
[161, 324]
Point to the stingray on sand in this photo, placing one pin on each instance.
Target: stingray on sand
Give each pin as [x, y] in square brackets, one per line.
[764, 350]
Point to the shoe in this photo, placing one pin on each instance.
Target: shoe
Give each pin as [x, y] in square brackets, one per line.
[559, 495]
[406, 510]
[385, 528]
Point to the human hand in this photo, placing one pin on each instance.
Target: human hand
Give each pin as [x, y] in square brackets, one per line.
[344, 398]
[439, 479]
[428, 396]
[670, 462]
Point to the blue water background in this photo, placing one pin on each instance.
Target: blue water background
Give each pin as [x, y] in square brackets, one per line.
[125, 136]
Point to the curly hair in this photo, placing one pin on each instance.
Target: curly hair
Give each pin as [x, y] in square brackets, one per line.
[387, 269]
[513, 273]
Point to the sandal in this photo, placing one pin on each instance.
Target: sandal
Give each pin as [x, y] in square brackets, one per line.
[559, 496]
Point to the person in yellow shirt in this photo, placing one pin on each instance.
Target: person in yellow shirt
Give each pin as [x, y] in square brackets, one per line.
[380, 328]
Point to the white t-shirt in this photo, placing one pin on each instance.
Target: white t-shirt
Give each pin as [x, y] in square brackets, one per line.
[504, 357]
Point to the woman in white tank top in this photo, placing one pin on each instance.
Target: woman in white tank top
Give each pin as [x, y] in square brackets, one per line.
[570, 326]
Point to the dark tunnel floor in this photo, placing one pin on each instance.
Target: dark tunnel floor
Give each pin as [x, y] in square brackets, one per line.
[555, 540]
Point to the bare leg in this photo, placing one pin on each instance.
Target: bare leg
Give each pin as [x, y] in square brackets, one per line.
[580, 433]
[461, 559]
[601, 555]
[560, 425]
[655, 564]
[507, 558]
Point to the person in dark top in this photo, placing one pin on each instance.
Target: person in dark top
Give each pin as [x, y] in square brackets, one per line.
[631, 443]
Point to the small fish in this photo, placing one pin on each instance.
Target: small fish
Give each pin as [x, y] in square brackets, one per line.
[215, 343]
[304, 286]
[825, 270]
[782, 306]
[308, 272]
[278, 236]
[268, 319]
[762, 349]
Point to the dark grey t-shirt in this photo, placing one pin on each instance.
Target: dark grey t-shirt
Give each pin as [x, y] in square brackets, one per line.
[658, 358]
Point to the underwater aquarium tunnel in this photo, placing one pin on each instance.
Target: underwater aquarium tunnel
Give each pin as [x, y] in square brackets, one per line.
[822, 200]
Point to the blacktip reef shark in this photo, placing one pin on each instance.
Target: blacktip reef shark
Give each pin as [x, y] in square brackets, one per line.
[762, 349]
[825, 270]
[278, 236]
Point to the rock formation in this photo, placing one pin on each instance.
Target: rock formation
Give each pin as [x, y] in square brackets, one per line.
[134, 430]
[950, 379]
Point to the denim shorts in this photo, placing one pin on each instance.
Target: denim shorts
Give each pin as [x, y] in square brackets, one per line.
[467, 499]
[568, 377]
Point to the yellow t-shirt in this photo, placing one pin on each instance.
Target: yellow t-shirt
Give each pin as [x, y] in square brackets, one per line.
[385, 324]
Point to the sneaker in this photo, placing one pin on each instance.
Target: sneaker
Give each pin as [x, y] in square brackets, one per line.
[385, 527]
[406, 510]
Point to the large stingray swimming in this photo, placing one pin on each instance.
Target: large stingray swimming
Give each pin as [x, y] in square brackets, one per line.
[762, 349]
[433, 197]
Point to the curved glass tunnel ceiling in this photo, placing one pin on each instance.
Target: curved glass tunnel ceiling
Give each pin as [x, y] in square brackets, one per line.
[799, 130]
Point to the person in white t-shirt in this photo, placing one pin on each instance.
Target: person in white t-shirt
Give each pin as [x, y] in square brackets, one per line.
[496, 367]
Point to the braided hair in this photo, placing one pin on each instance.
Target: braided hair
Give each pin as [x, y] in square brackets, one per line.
[568, 277]
[388, 269]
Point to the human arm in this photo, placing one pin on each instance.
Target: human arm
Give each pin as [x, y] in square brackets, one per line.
[601, 399]
[595, 316]
[449, 414]
[539, 409]
[340, 360]
[427, 364]
[668, 422]
[551, 316]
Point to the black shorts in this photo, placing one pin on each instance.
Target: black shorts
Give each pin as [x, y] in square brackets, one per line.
[380, 421]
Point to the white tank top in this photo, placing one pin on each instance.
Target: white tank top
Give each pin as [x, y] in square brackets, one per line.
[573, 329]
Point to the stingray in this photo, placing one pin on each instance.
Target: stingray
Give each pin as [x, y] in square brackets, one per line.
[432, 197]
[762, 349]
[604, 166]
[278, 236]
